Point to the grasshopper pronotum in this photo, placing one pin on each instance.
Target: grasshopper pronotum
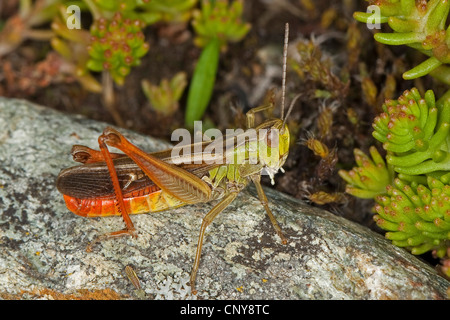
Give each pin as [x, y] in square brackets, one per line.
[137, 182]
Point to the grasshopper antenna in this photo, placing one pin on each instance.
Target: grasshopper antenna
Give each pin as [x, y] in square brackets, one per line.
[283, 85]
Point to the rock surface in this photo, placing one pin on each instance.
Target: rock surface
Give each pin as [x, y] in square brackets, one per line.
[43, 245]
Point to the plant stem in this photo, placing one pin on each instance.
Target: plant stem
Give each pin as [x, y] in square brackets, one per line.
[109, 100]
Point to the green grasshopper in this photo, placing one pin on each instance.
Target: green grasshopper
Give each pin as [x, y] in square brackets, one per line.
[138, 182]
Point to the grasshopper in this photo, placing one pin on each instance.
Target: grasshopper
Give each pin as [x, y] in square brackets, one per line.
[137, 182]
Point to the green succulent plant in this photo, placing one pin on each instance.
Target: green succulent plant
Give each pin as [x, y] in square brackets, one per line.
[165, 10]
[106, 9]
[412, 190]
[420, 25]
[414, 207]
[219, 19]
[416, 132]
[216, 24]
[116, 46]
[371, 176]
[416, 216]
[164, 98]
[148, 11]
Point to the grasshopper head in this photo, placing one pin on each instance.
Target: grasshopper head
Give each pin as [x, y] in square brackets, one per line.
[274, 143]
[273, 146]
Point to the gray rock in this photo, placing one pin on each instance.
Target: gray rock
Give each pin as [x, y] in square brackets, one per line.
[42, 244]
